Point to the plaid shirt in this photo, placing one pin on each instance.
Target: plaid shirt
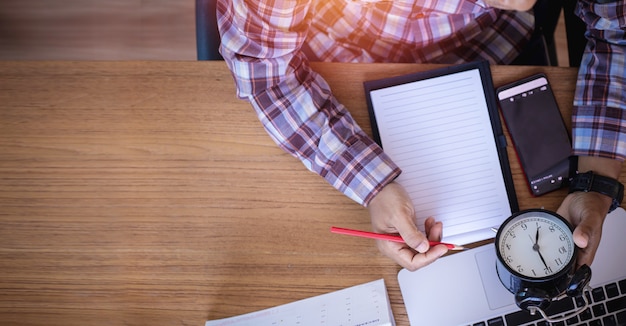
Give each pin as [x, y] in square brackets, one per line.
[267, 44]
[599, 121]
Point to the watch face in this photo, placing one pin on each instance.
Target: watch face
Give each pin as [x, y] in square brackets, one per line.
[535, 244]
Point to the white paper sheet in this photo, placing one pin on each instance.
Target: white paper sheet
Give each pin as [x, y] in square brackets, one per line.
[365, 304]
[439, 132]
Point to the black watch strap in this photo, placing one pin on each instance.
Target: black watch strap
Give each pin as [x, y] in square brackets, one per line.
[590, 181]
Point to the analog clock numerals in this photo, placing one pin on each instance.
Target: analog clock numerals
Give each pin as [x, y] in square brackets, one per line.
[536, 247]
[512, 234]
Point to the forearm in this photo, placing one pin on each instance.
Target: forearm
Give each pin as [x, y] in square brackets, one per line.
[599, 115]
[306, 120]
[299, 111]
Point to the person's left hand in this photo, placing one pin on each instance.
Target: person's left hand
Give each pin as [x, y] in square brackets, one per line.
[586, 211]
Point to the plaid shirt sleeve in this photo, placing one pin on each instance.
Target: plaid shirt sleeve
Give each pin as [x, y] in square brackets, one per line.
[296, 105]
[599, 119]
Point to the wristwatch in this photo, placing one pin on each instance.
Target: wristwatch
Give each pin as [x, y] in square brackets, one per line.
[590, 181]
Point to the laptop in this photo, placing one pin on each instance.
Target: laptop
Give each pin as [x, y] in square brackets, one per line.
[464, 289]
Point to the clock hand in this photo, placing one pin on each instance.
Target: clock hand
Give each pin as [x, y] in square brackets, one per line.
[536, 247]
[537, 235]
[542, 260]
[535, 242]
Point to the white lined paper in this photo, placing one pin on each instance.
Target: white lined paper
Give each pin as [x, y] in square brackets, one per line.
[439, 132]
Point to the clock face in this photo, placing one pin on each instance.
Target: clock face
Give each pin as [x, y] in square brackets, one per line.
[536, 244]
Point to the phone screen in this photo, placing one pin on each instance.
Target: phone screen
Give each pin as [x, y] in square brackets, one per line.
[537, 129]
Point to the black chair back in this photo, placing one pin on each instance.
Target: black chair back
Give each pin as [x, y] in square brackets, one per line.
[207, 35]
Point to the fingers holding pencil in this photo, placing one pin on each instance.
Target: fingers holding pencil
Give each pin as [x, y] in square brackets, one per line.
[392, 211]
[411, 258]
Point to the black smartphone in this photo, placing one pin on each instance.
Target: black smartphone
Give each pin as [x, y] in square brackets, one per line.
[538, 132]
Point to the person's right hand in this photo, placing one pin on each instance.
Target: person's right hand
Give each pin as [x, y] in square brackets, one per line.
[392, 211]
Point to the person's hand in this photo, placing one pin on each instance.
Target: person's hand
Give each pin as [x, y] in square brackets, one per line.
[586, 211]
[519, 5]
[392, 211]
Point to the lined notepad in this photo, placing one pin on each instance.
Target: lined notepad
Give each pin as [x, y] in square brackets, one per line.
[439, 131]
[364, 304]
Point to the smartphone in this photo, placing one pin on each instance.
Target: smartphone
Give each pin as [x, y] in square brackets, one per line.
[538, 132]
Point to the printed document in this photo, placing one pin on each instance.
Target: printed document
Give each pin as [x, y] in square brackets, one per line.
[364, 304]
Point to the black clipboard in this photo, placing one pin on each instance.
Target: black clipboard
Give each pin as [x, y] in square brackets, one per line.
[483, 70]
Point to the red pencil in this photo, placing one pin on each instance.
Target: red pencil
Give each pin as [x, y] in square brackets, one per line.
[389, 237]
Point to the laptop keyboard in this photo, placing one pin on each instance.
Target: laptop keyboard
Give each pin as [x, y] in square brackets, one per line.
[607, 307]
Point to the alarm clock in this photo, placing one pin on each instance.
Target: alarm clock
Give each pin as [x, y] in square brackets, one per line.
[536, 258]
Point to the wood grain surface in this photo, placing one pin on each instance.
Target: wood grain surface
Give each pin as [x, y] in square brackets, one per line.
[146, 193]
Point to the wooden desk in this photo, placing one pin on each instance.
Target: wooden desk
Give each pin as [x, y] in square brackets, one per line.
[146, 193]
